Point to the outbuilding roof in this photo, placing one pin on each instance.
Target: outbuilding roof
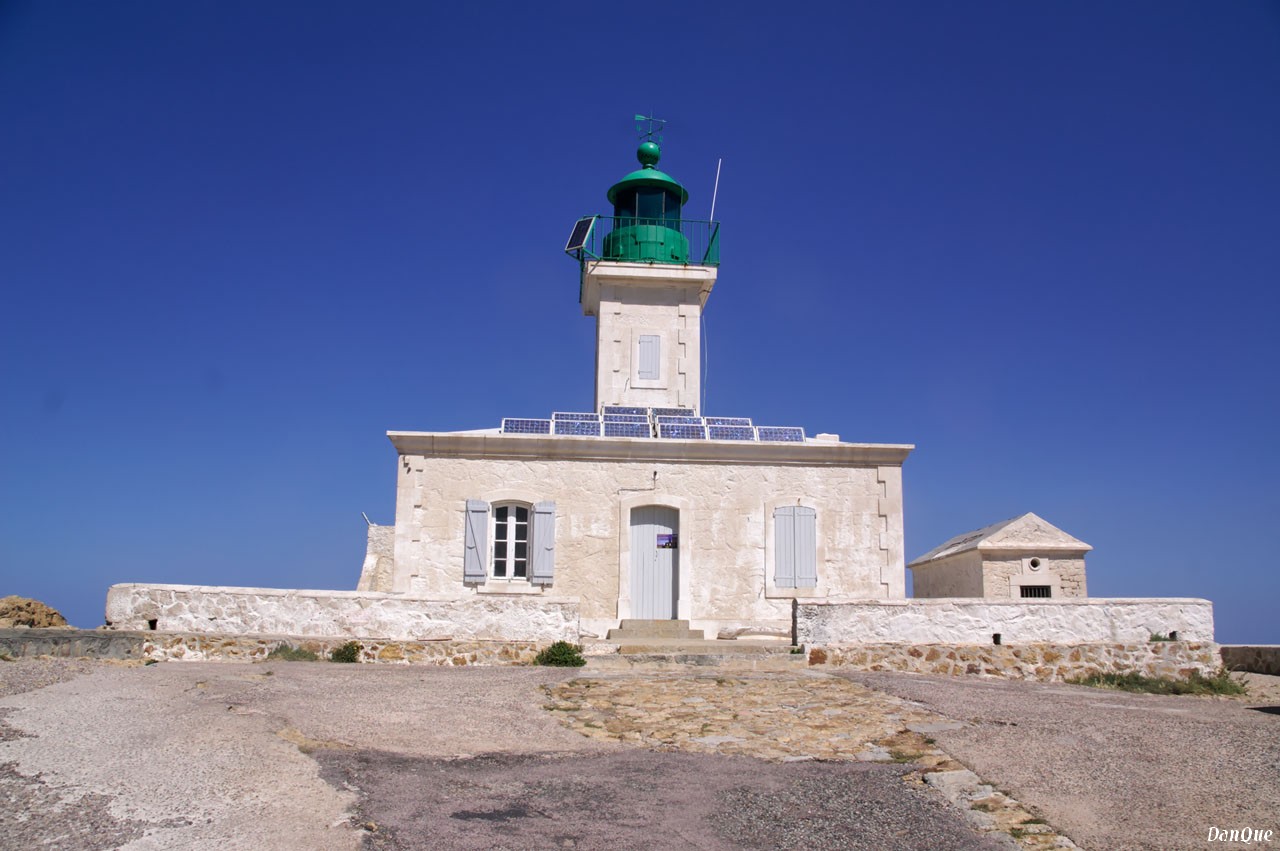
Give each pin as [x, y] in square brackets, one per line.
[1026, 532]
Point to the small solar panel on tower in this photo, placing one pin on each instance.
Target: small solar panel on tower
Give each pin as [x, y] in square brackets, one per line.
[581, 230]
[786, 434]
[626, 409]
[673, 420]
[728, 421]
[677, 431]
[625, 418]
[673, 412]
[523, 426]
[578, 427]
[615, 429]
[562, 415]
[730, 432]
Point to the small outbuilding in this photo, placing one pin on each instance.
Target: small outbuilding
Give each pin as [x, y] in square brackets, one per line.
[1023, 557]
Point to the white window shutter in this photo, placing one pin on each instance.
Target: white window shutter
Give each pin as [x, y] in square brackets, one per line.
[784, 546]
[475, 560]
[806, 543]
[650, 349]
[543, 541]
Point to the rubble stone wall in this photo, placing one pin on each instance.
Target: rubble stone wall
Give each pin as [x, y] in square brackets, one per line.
[1043, 662]
[1256, 658]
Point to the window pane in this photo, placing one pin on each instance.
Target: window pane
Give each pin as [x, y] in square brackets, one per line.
[500, 514]
[521, 550]
[521, 569]
[522, 514]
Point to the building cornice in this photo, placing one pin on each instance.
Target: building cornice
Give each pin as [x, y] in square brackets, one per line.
[645, 450]
[697, 279]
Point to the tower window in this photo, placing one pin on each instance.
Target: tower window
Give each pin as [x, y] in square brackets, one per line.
[649, 349]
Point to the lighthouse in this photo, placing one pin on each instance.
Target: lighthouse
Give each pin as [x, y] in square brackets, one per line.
[646, 274]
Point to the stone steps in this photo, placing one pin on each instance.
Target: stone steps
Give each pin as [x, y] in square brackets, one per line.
[616, 654]
[643, 630]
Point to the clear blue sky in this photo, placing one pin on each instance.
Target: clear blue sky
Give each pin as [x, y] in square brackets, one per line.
[241, 240]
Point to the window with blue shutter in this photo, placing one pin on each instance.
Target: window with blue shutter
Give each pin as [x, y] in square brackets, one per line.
[795, 547]
[650, 349]
[476, 536]
[544, 543]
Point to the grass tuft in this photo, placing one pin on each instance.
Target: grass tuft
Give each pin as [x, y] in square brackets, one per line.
[289, 653]
[1220, 682]
[349, 652]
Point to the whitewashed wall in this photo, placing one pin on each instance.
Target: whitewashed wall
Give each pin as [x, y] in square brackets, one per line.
[725, 553]
[974, 621]
[272, 611]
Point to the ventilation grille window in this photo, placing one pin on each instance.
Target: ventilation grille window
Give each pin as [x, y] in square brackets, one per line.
[1036, 591]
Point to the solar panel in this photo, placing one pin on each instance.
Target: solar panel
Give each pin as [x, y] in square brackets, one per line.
[730, 432]
[787, 434]
[613, 429]
[674, 412]
[669, 420]
[578, 236]
[728, 421]
[625, 409]
[681, 432]
[583, 429]
[561, 415]
[521, 426]
[625, 418]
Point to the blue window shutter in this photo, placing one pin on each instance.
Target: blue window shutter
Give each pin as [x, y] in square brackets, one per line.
[543, 538]
[806, 543]
[784, 546]
[650, 346]
[475, 560]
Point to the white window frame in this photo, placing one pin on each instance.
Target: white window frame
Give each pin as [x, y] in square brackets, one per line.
[509, 560]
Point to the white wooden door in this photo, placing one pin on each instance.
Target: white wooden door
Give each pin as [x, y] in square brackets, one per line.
[655, 562]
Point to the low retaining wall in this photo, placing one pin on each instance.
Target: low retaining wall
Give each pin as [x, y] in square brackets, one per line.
[1043, 662]
[1254, 658]
[71, 643]
[977, 621]
[215, 610]
[255, 648]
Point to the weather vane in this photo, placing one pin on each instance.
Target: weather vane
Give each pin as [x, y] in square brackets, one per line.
[652, 133]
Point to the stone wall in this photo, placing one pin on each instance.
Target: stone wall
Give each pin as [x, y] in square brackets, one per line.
[1041, 661]
[959, 575]
[969, 621]
[171, 647]
[347, 614]
[378, 570]
[70, 643]
[1256, 659]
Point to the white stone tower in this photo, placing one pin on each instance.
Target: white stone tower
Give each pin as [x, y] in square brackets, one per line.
[646, 276]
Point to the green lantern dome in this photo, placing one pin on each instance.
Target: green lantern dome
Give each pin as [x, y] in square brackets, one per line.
[648, 176]
[646, 214]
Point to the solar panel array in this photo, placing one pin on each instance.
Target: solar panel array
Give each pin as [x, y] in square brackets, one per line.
[662, 423]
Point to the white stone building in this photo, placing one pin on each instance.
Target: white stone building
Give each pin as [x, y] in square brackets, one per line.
[1021, 558]
[644, 508]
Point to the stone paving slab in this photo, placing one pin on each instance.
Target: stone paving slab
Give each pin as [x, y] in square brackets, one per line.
[789, 717]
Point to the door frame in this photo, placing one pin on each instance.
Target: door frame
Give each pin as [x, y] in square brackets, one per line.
[684, 559]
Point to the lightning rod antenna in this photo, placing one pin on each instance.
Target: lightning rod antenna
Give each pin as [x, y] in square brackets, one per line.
[715, 189]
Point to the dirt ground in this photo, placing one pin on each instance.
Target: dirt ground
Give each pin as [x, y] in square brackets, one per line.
[322, 756]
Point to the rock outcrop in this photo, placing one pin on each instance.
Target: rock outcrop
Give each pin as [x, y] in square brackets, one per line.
[21, 611]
